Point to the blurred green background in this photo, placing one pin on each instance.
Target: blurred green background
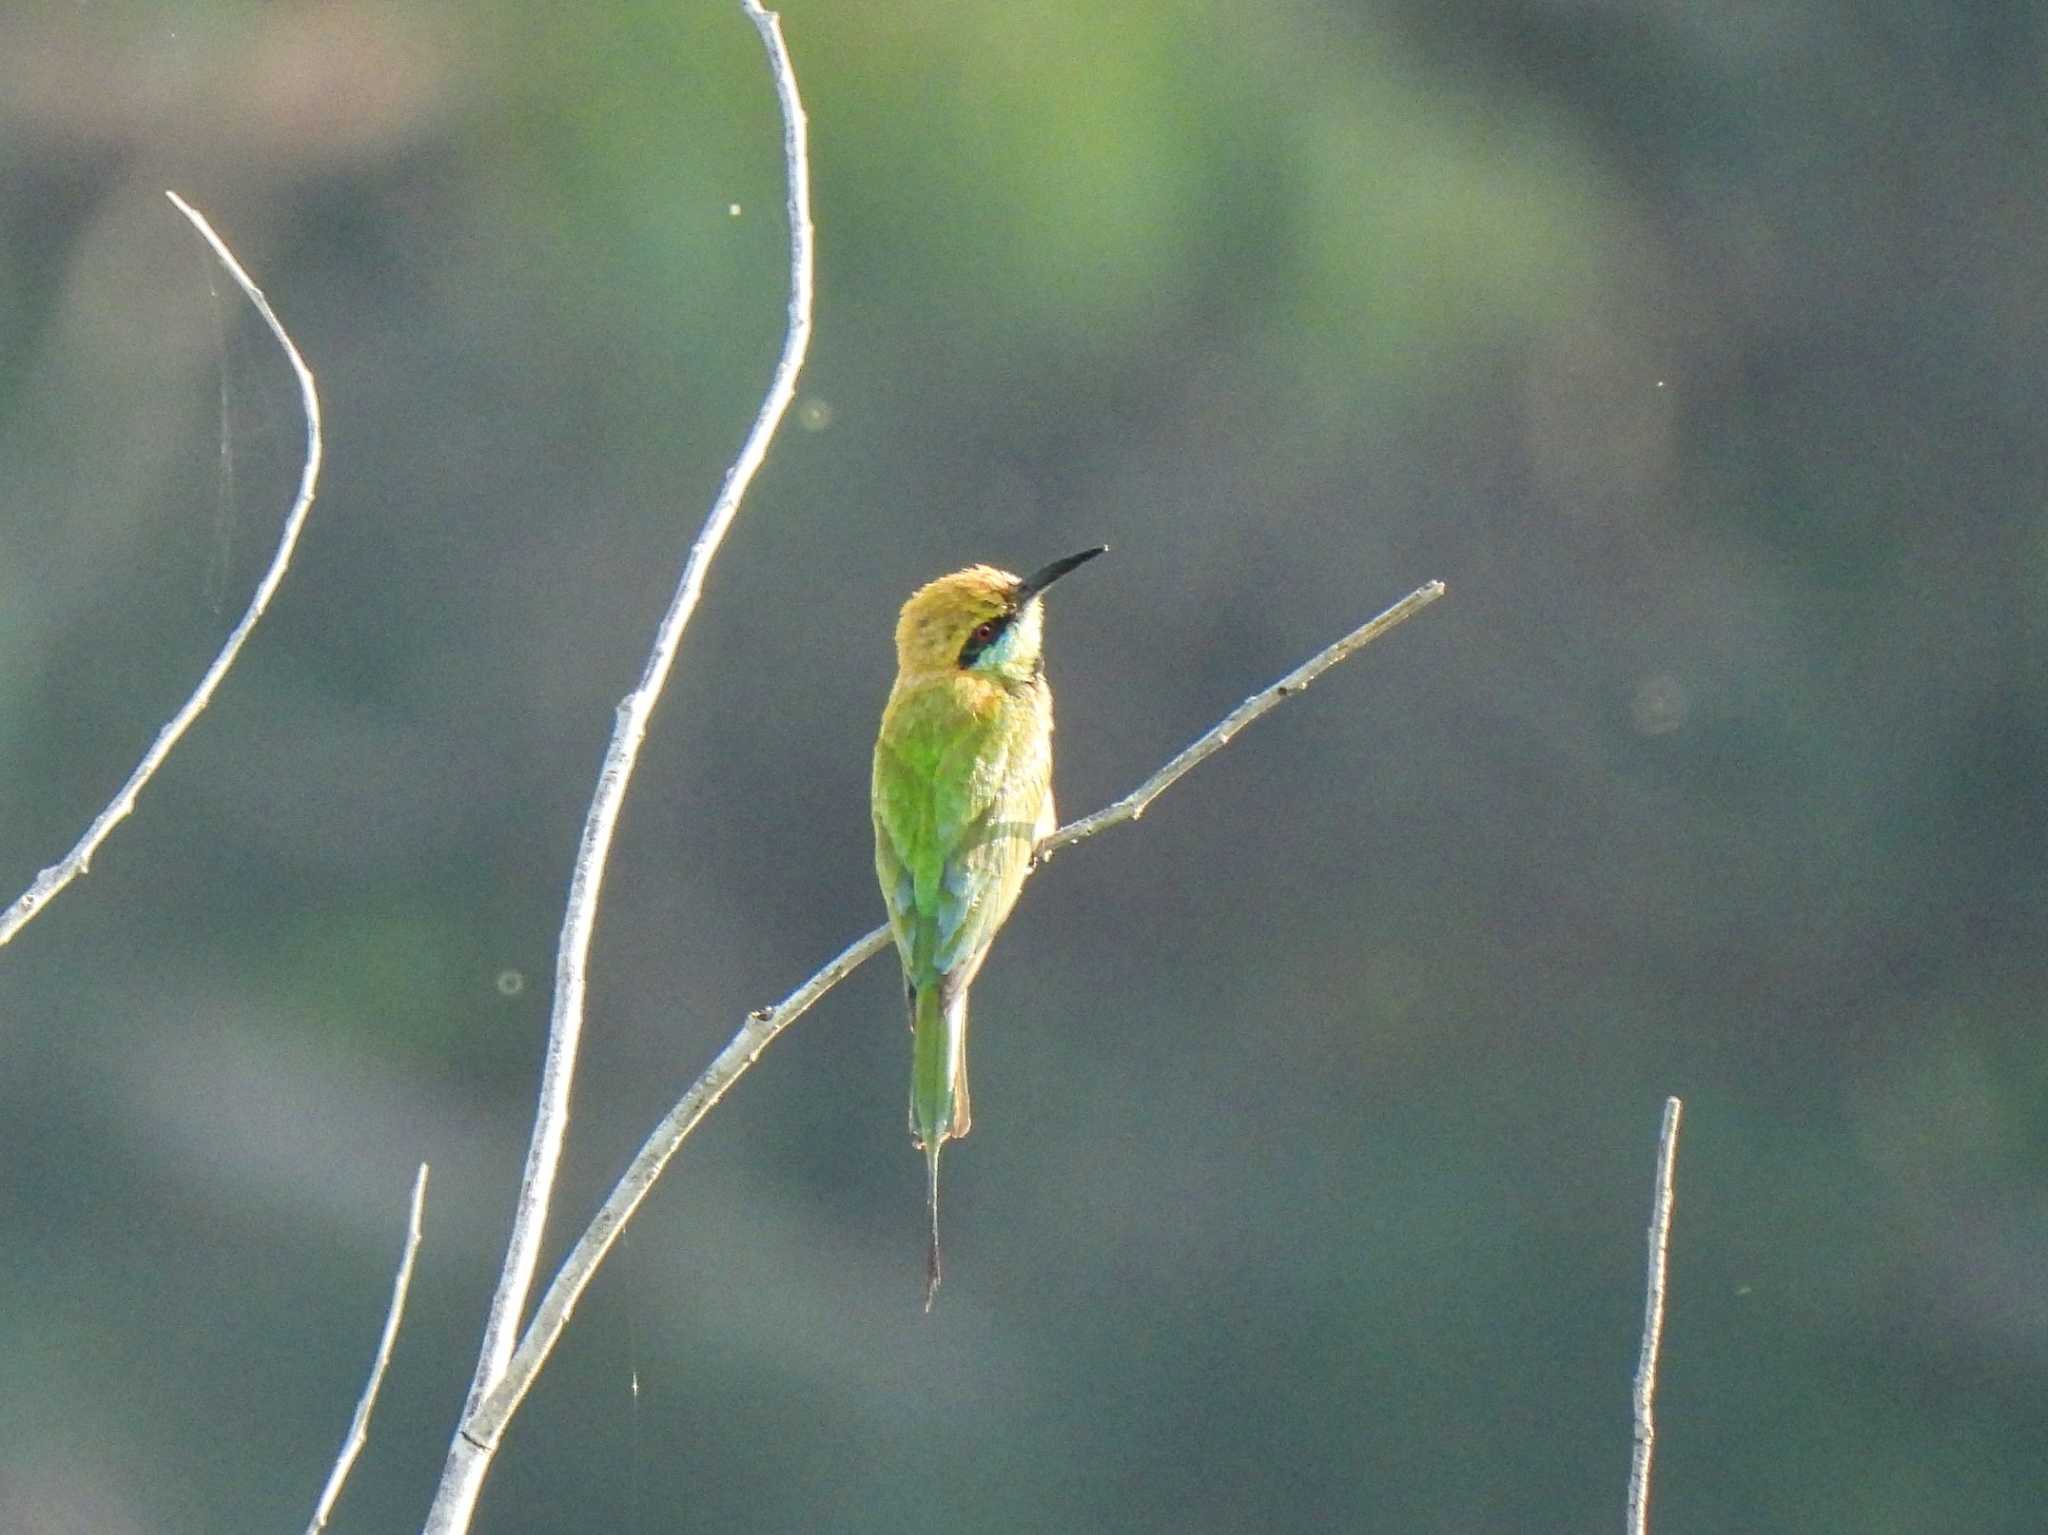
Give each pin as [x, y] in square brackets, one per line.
[1699, 349]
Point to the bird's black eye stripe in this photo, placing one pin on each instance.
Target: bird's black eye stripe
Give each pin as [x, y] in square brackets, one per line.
[985, 634]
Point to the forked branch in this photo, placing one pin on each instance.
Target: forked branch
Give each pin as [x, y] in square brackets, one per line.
[761, 1027]
[504, 1374]
[469, 1454]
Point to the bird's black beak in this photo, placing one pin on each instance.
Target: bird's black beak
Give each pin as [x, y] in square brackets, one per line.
[1039, 580]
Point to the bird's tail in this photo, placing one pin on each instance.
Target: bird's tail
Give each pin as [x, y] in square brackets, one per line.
[939, 1108]
[931, 1253]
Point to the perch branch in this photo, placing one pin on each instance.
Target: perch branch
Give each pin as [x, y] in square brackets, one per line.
[1134, 805]
[359, 1425]
[74, 863]
[468, 1458]
[761, 1027]
[1653, 1326]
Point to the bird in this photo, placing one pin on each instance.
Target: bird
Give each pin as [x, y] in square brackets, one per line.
[962, 797]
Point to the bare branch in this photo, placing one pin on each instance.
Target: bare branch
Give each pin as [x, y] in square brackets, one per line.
[74, 863]
[1133, 805]
[468, 1459]
[1653, 1326]
[760, 1029]
[580, 1267]
[359, 1426]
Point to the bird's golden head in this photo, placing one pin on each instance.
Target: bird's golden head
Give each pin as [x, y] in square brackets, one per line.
[979, 619]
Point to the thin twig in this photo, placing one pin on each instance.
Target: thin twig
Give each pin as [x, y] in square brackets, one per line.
[74, 863]
[359, 1426]
[761, 1028]
[1133, 805]
[1653, 1326]
[580, 1267]
[468, 1459]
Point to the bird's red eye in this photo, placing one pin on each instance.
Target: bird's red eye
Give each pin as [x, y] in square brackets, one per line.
[983, 633]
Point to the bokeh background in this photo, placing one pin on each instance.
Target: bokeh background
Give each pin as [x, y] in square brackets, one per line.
[1699, 348]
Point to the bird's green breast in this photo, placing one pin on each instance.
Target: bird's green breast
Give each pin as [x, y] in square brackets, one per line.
[961, 772]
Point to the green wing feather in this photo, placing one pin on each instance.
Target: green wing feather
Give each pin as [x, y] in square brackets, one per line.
[958, 805]
[953, 840]
[956, 819]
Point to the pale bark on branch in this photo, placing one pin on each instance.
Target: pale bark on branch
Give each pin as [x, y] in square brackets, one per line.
[74, 863]
[359, 1425]
[504, 1372]
[1653, 1325]
[487, 1423]
[469, 1456]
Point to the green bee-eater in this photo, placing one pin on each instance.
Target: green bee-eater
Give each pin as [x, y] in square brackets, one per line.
[962, 794]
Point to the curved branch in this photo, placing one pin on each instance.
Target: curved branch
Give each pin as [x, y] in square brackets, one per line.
[488, 1420]
[74, 863]
[469, 1458]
